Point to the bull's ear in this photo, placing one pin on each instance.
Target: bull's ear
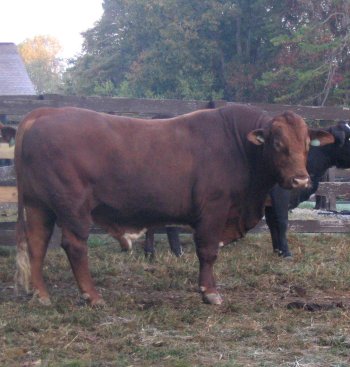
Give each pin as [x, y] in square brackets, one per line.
[320, 137]
[339, 135]
[256, 137]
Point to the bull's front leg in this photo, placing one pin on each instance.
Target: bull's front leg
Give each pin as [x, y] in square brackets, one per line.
[207, 238]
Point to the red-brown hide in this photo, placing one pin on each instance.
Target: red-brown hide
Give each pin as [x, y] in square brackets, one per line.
[210, 169]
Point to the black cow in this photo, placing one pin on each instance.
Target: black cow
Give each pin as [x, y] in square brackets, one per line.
[319, 161]
[173, 238]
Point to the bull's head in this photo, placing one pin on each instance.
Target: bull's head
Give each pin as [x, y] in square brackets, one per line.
[286, 144]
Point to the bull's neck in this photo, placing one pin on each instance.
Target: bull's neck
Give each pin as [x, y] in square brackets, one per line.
[261, 181]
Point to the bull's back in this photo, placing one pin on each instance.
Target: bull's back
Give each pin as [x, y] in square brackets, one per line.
[126, 163]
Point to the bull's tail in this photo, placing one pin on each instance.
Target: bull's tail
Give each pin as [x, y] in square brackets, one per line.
[22, 276]
[23, 273]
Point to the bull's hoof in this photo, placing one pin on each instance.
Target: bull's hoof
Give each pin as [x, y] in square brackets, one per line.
[96, 302]
[99, 303]
[42, 301]
[45, 301]
[212, 298]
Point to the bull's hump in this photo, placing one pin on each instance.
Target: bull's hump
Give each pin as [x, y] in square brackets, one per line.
[28, 124]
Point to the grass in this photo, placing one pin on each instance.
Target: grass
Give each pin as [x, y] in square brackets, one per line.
[311, 205]
[154, 315]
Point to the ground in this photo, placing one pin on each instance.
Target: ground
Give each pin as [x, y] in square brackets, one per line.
[275, 312]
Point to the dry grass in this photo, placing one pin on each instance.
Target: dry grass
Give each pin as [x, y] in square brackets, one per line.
[155, 317]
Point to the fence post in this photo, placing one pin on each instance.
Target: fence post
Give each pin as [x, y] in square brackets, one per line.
[328, 202]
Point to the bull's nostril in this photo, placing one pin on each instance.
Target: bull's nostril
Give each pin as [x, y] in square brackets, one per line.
[300, 182]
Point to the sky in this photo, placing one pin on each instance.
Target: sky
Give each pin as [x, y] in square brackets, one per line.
[62, 19]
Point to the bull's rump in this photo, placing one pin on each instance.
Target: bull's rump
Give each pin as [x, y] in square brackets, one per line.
[140, 169]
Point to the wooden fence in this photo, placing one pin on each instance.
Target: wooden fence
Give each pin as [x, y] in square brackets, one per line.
[17, 106]
[13, 108]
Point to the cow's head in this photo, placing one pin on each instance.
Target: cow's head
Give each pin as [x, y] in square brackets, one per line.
[286, 144]
[8, 133]
[341, 154]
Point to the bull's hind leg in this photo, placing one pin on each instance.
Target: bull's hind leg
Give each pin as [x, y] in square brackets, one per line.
[75, 246]
[39, 227]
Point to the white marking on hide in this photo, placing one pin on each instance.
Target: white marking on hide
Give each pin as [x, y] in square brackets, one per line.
[202, 288]
[129, 237]
[347, 125]
[221, 244]
[134, 235]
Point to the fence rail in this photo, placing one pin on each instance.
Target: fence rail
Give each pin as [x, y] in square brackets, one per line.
[8, 236]
[21, 105]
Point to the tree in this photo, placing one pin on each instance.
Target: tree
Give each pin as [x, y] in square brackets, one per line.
[173, 49]
[43, 65]
[293, 51]
[312, 65]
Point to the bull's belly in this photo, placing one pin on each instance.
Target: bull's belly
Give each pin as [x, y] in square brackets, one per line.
[236, 228]
[137, 217]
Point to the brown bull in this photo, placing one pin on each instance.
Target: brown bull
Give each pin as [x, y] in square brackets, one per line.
[210, 169]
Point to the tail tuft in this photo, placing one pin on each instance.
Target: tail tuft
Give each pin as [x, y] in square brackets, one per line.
[22, 276]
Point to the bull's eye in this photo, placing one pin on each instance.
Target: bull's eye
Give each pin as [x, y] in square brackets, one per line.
[278, 145]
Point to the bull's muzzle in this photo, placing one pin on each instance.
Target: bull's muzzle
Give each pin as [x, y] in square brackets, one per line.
[300, 182]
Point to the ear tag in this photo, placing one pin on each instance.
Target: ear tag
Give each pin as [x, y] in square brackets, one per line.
[260, 139]
[12, 142]
[315, 143]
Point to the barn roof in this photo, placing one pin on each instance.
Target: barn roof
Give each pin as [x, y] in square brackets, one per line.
[14, 78]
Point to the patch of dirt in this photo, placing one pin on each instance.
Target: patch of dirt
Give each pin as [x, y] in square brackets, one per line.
[314, 306]
[311, 214]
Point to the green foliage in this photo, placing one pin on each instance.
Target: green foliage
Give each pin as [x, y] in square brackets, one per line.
[288, 51]
[105, 89]
[172, 49]
[313, 55]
